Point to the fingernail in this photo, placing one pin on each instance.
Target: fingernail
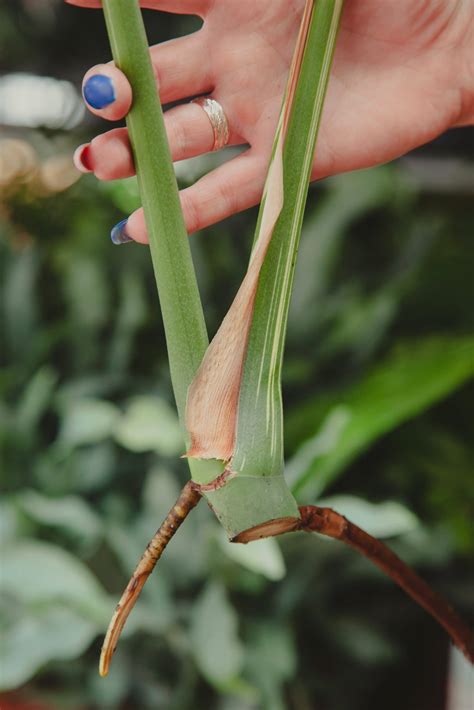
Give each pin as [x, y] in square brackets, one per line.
[119, 233]
[82, 159]
[99, 91]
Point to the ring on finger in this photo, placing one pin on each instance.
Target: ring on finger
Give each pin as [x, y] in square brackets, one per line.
[217, 118]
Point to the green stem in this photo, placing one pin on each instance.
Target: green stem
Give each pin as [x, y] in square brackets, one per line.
[181, 308]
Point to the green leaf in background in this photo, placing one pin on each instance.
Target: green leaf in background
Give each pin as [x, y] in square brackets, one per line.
[111, 695]
[131, 312]
[149, 424]
[59, 608]
[54, 633]
[378, 519]
[35, 399]
[363, 642]
[70, 513]
[216, 647]
[270, 661]
[93, 467]
[87, 292]
[39, 573]
[88, 421]
[123, 193]
[19, 304]
[414, 376]
[262, 556]
[326, 229]
[9, 521]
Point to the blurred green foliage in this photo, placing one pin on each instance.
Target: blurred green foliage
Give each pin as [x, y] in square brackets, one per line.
[379, 420]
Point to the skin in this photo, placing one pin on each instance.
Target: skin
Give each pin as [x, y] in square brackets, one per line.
[403, 74]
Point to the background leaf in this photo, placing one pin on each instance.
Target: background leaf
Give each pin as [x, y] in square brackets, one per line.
[261, 556]
[70, 513]
[411, 379]
[215, 644]
[48, 634]
[38, 572]
[88, 421]
[149, 424]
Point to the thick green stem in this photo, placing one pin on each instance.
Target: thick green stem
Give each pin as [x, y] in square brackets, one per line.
[183, 318]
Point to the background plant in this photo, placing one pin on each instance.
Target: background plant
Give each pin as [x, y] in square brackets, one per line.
[383, 296]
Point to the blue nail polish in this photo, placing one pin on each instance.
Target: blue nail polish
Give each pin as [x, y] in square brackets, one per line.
[119, 233]
[99, 91]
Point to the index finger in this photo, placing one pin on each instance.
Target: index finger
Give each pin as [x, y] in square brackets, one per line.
[183, 7]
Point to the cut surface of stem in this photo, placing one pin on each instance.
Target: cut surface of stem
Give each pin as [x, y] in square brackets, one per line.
[332, 524]
[188, 499]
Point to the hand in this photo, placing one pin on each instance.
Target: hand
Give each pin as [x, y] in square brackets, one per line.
[401, 77]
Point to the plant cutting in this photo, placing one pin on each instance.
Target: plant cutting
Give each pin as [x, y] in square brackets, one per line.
[228, 394]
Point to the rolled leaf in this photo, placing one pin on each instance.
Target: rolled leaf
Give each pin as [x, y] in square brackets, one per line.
[234, 410]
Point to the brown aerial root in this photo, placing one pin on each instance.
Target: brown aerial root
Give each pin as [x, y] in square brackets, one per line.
[188, 499]
[327, 522]
[313, 519]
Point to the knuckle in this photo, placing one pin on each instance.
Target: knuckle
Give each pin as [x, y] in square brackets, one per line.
[228, 196]
[191, 211]
[179, 139]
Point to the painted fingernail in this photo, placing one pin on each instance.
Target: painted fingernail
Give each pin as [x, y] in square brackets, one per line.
[99, 91]
[82, 158]
[119, 233]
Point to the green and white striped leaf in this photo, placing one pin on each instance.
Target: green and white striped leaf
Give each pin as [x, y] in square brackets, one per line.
[257, 456]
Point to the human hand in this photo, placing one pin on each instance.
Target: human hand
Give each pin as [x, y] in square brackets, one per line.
[402, 75]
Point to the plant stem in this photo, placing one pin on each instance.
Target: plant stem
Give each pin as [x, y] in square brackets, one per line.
[327, 522]
[188, 499]
[183, 319]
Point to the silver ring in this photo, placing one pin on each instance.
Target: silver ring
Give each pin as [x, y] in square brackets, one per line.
[218, 119]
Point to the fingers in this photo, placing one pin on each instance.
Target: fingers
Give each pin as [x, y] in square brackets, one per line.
[231, 188]
[186, 7]
[109, 156]
[181, 66]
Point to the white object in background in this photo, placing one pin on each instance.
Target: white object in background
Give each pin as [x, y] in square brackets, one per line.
[460, 682]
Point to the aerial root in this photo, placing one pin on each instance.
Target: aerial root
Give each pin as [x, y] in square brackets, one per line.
[188, 499]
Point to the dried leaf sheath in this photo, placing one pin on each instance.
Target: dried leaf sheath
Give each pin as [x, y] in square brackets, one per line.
[213, 396]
